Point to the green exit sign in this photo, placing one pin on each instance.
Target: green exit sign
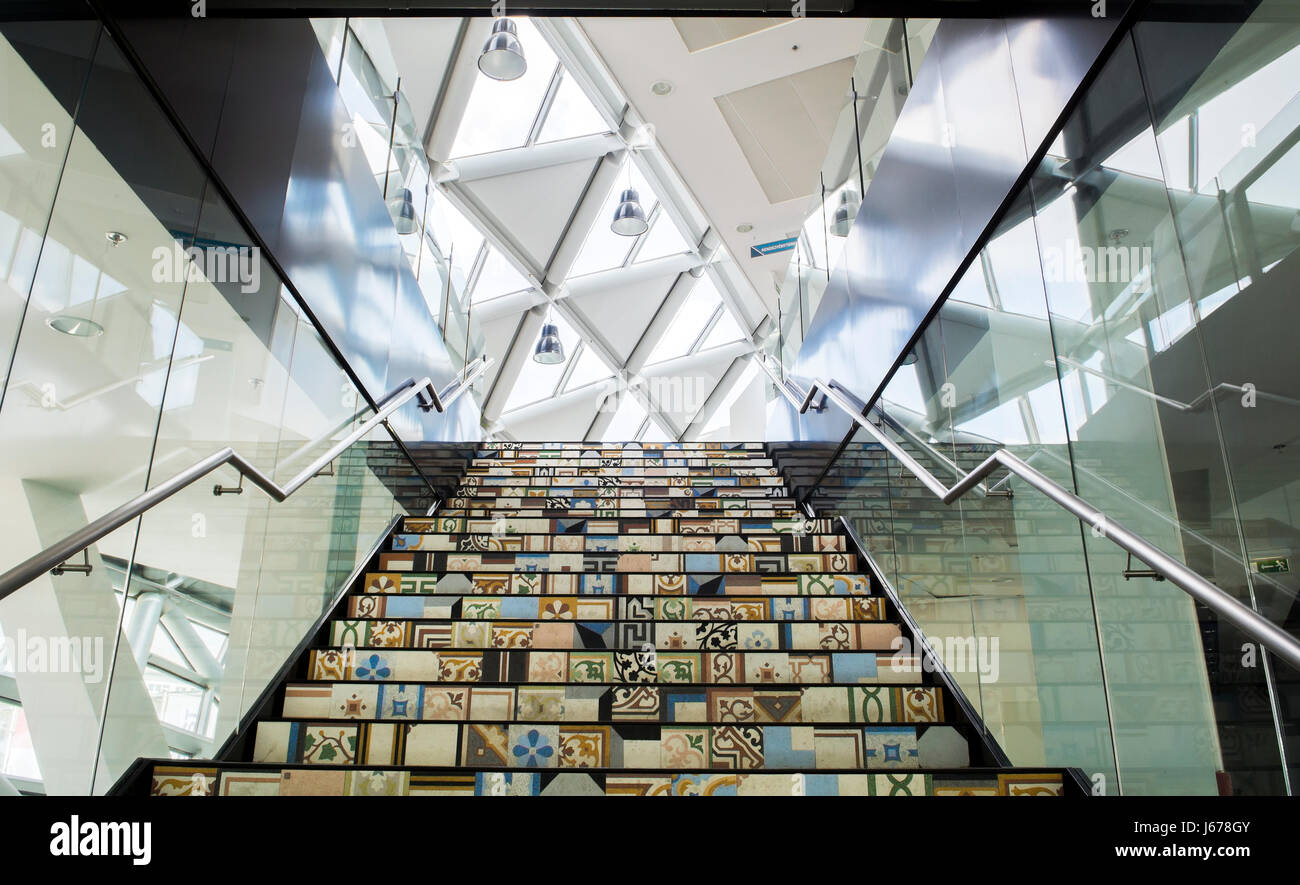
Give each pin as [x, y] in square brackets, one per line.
[1272, 565]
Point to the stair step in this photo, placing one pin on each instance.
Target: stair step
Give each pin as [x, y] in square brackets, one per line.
[332, 664]
[599, 635]
[579, 584]
[662, 617]
[610, 747]
[509, 562]
[591, 542]
[744, 469]
[620, 608]
[596, 704]
[621, 481]
[319, 780]
[537, 509]
[630, 526]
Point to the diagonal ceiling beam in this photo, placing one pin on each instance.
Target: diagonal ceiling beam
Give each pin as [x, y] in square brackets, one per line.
[590, 284]
[513, 363]
[715, 399]
[560, 401]
[454, 97]
[529, 158]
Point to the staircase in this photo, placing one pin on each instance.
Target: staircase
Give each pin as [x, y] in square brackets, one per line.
[621, 620]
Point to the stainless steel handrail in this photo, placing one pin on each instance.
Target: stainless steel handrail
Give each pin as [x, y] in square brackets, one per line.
[429, 399]
[1194, 405]
[1255, 625]
[802, 403]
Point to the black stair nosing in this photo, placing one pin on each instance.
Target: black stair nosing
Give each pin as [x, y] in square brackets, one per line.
[306, 681]
[688, 535]
[610, 723]
[580, 621]
[470, 650]
[712, 596]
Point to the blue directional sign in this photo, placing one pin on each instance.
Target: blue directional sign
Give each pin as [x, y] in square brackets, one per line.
[761, 249]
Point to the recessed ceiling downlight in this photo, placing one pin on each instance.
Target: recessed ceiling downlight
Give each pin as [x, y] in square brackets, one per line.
[744, 227]
[661, 87]
[79, 327]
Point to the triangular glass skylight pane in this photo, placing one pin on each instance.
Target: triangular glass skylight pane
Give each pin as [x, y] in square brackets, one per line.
[685, 327]
[724, 331]
[590, 368]
[571, 114]
[663, 239]
[626, 421]
[538, 381]
[500, 113]
[722, 414]
[654, 433]
[603, 249]
[498, 277]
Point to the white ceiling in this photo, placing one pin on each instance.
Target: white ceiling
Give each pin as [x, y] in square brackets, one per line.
[785, 92]
[712, 156]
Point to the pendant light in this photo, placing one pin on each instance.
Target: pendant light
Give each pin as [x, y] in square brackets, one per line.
[629, 217]
[550, 350]
[850, 203]
[502, 57]
[402, 207]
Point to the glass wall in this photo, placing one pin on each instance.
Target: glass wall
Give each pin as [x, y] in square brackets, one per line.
[142, 330]
[440, 245]
[873, 98]
[1126, 330]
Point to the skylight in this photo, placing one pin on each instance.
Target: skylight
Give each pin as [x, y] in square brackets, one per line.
[497, 277]
[604, 249]
[724, 331]
[571, 114]
[588, 369]
[722, 414]
[501, 113]
[654, 433]
[690, 321]
[626, 421]
[662, 239]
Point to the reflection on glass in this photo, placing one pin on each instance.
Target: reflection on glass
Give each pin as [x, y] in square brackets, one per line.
[1126, 331]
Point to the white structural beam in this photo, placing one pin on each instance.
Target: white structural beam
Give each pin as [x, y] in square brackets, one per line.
[528, 159]
[715, 399]
[559, 401]
[660, 322]
[590, 284]
[462, 72]
[513, 363]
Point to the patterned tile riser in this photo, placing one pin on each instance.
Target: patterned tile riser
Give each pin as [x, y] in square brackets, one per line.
[590, 542]
[507, 562]
[597, 704]
[614, 584]
[641, 746]
[623, 667]
[306, 781]
[712, 635]
[618, 608]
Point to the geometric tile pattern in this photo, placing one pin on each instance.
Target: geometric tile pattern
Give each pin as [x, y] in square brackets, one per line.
[612, 620]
